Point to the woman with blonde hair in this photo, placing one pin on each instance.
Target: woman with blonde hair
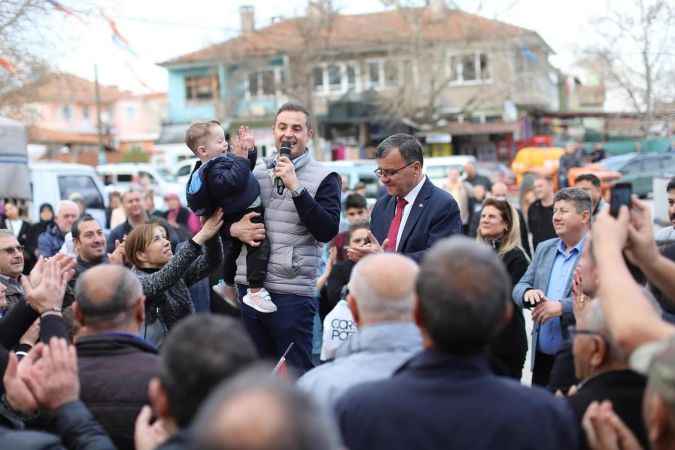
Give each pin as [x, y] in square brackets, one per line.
[165, 277]
[498, 229]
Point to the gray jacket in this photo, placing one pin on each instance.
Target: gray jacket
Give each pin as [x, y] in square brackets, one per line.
[373, 353]
[167, 297]
[295, 255]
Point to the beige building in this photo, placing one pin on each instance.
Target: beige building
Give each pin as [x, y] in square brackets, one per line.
[426, 70]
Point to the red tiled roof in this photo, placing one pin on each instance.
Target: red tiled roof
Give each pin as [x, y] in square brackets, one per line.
[354, 31]
[40, 135]
[64, 88]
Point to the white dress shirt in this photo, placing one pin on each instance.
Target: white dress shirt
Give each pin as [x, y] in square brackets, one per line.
[410, 198]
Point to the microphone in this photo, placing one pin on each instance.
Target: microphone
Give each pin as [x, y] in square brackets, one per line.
[285, 150]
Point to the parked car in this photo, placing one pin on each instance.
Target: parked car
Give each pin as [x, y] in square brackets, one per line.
[358, 171]
[537, 160]
[51, 182]
[183, 170]
[639, 169]
[437, 168]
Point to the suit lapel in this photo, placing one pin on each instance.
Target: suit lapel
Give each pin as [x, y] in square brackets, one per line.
[417, 208]
[547, 265]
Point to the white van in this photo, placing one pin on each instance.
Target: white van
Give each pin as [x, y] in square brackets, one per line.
[119, 177]
[184, 169]
[51, 182]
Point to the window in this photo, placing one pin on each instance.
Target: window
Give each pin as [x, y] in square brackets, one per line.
[351, 76]
[317, 78]
[374, 78]
[83, 185]
[201, 87]
[484, 68]
[334, 78]
[391, 73]
[85, 112]
[469, 68]
[67, 112]
[253, 84]
[268, 82]
[262, 83]
[131, 112]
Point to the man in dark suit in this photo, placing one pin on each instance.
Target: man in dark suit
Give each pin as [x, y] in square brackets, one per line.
[604, 372]
[414, 214]
[446, 396]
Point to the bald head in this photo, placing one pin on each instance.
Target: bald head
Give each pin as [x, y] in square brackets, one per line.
[499, 190]
[292, 421]
[382, 286]
[107, 296]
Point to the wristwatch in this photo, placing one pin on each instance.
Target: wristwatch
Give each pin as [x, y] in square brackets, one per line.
[298, 192]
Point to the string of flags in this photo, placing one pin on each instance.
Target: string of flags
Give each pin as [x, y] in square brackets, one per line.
[118, 39]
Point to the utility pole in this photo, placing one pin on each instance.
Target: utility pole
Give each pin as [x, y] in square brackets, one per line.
[99, 125]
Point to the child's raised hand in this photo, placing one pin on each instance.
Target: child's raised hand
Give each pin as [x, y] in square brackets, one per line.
[246, 138]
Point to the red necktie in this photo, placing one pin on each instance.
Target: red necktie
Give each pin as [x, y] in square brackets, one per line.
[392, 234]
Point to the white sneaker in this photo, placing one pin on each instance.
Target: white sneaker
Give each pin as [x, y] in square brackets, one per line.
[228, 293]
[260, 301]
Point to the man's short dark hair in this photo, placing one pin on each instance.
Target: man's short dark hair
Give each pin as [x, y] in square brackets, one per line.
[463, 292]
[75, 228]
[356, 201]
[671, 185]
[591, 178]
[582, 201]
[294, 107]
[112, 306]
[200, 352]
[302, 424]
[409, 147]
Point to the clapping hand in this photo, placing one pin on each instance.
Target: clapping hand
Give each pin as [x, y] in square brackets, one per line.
[355, 253]
[54, 379]
[605, 430]
[48, 293]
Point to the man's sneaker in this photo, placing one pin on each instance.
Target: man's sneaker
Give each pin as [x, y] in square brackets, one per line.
[227, 292]
[260, 301]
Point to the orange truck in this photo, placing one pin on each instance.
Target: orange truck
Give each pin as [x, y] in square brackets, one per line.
[537, 160]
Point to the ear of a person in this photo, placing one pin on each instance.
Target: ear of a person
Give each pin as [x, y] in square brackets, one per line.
[353, 307]
[139, 310]
[158, 398]
[77, 313]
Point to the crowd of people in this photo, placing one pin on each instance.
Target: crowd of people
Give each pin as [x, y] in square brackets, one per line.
[418, 306]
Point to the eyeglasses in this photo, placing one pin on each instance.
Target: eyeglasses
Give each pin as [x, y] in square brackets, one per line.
[11, 250]
[390, 172]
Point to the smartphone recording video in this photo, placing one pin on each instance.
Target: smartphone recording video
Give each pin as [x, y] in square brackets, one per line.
[621, 195]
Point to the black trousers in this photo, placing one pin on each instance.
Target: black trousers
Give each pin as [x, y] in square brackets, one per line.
[554, 372]
[256, 257]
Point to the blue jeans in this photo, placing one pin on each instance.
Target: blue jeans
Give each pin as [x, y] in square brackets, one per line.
[272, 333]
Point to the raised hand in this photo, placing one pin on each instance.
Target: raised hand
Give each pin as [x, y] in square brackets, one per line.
[210, 228]
[48, 294]
[149, 435]
[18, 394]
[54, 380]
